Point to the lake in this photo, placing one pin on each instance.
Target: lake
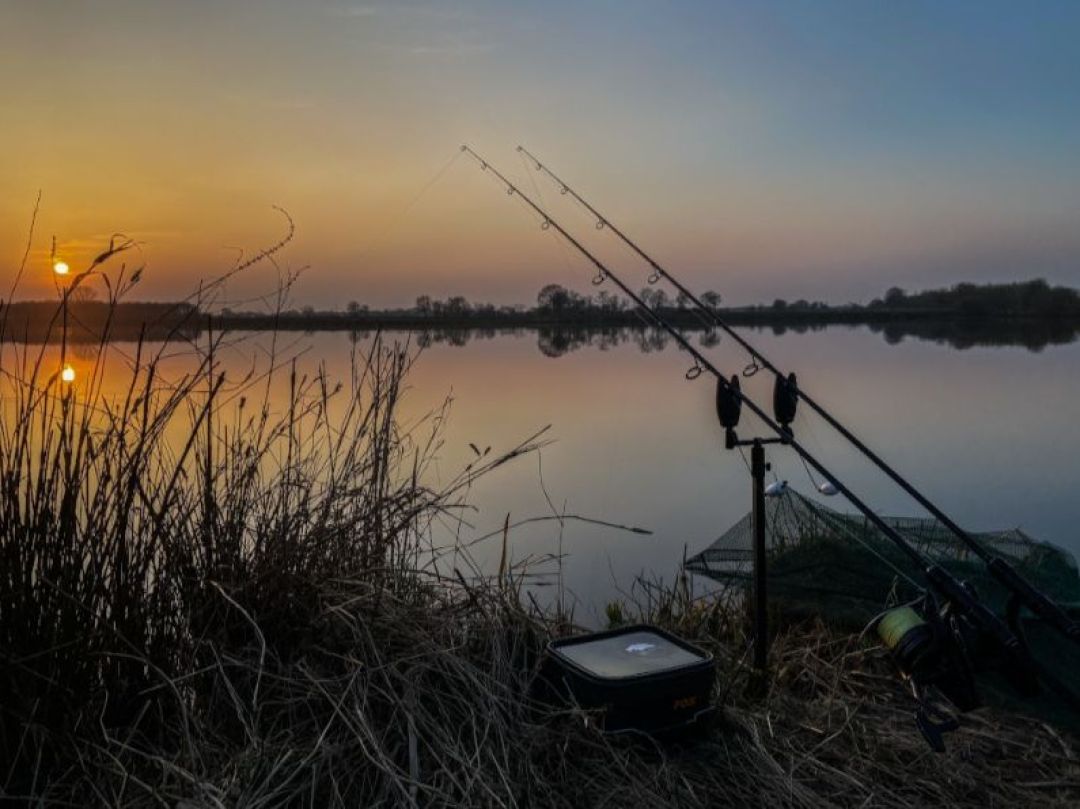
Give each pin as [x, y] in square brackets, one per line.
[989, 434]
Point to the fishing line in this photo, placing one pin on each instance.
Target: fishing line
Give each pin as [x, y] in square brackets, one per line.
[540, 195]
[809, 474]
[746, 463]
[398, 219]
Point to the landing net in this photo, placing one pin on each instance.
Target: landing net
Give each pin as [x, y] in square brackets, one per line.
[841, 567]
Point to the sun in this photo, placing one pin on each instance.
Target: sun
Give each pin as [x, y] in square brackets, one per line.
[61, 268]
[67, 374]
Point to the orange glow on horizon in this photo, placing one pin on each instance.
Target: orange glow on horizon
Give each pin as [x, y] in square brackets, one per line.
[714, 159]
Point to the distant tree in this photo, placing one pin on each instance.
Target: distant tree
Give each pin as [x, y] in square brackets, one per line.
[895, 296]
[711, 299]
[579, 302]
[654, 298]
[353, 308]
[423, 305]
[682, 300]
[779, 304]
[606, 302]
[458, 305]
[553, 298]
[308, 311]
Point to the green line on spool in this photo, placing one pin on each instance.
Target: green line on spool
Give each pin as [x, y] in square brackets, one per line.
[896, 623]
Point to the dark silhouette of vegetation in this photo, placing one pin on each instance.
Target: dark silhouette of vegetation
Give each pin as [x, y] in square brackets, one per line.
[89, 321]
[1032, 314]
[1027, 299]
[555, 304]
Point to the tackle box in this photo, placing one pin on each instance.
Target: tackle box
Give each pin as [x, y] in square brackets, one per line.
[635, 677]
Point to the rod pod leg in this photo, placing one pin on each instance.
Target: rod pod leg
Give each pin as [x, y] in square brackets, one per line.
[759, 595]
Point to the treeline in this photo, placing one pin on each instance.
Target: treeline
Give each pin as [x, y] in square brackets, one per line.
[557, 304]
[1025, 299]
[985, 304]
[91, 321]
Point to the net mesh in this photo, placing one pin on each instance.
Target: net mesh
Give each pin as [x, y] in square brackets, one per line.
[843, 568]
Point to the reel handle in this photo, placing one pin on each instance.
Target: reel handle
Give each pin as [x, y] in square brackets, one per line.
[933, 724]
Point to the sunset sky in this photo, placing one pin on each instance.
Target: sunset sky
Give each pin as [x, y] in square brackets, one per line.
[788, 149]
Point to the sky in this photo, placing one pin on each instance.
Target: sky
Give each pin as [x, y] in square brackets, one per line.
[822, 150]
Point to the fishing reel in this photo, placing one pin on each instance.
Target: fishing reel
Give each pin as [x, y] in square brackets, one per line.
[729, 406]
[931, 647]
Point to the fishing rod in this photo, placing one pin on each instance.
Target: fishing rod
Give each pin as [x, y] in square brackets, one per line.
[1022, 590]
[912, 639]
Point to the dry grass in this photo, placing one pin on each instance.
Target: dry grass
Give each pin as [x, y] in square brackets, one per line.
[417, 694]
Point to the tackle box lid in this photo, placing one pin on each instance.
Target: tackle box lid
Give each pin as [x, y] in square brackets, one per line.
[628, 652]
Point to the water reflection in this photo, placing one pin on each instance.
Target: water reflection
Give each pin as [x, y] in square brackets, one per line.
[90, 323]
[556, 341]
[989, 434]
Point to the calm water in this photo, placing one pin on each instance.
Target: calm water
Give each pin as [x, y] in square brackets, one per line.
[991, 434]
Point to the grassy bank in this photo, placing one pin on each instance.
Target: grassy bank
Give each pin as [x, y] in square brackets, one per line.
[256, 615]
